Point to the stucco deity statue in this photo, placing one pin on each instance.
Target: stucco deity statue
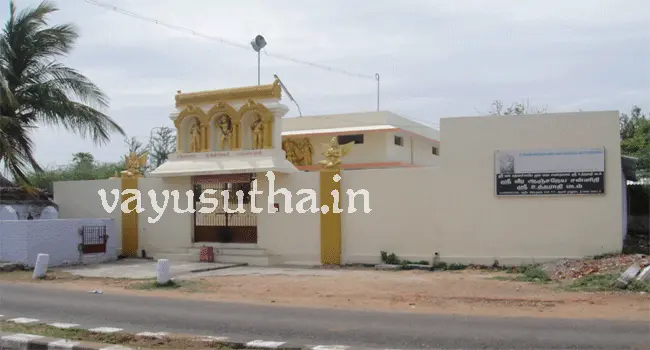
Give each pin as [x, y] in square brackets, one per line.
[226, 132]
[195, 132]
[306, 151]
[299, 151]
[334, 152]
[258, 133]
[133, 164]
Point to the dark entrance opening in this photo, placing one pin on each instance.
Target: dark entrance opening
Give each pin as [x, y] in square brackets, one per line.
[215, 224]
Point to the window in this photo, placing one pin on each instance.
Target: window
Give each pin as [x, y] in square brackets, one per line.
[434, 150]
[343, 139]
[399, 140]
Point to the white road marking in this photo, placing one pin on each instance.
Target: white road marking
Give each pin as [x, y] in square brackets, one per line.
[23, 320]
[211, 338]
[64, 325]
[105, 330]
[62, 344]
[330, 347]
[264, 344]
[159, 335]
[20, 338]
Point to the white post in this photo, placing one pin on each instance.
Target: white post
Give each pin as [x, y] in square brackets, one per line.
[41, 266]
[162, 273]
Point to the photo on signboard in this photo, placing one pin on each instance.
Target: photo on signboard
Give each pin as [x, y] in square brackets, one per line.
[506, 164]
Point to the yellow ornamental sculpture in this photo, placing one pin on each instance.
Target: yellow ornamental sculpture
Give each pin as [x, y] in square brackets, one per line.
[299, 151]
[133, 164]
[225, 125]
[334, 152]
[196, 137]
[258, 133]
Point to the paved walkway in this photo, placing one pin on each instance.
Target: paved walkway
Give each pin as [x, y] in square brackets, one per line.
[141, 269]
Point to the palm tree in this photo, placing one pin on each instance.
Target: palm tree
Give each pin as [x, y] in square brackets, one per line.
[36, 89]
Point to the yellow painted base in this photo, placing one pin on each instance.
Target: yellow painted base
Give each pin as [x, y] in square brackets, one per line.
[130, 220]
[330, 222]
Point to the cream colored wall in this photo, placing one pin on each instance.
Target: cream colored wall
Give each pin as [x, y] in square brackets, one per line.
[395, 153]
[453, 209]
[403, 217]
[415, 150]
[422, 153]
[80, 200]
[172, 232]
[293, 236]
[517, 227]
[372, 150]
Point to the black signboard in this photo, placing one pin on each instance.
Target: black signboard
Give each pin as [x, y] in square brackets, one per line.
[535, 184]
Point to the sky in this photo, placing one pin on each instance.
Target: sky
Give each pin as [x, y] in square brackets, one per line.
[435, 59]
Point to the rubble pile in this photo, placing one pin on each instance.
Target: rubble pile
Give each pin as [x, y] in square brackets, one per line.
[573, 269]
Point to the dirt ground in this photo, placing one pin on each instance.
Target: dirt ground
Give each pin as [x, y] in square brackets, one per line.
[468, 292]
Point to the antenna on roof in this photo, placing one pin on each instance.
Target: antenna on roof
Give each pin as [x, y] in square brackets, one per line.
[284, 88]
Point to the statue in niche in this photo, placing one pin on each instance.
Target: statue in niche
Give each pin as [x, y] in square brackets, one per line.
[257, 129]
[195, 132]
[226, 131]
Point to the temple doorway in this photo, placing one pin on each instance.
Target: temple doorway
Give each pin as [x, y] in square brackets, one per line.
[219, 225]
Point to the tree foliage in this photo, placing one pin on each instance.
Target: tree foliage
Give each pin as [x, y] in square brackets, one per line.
[635, 139]
[161, 145]
[82, 167]
[36, 89]
[517, 108]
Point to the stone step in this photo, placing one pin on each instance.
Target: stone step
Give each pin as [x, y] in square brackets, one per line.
[217, 245]
[252, 260]
[241, 251]
[177, 256]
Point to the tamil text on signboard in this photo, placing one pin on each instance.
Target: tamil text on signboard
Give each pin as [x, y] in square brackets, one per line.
[550, 172]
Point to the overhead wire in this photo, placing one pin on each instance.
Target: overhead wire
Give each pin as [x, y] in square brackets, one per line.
[241, 46]
[225, 41]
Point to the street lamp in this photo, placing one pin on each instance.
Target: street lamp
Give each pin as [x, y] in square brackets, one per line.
[258, 44]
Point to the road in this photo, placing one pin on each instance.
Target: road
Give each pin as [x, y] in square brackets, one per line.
[314, 326]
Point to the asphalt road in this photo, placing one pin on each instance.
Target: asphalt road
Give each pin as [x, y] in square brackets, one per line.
[313, 326]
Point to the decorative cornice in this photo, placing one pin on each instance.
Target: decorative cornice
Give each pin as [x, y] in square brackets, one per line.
[242, 93]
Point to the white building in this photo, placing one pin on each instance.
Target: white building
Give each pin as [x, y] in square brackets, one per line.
[381, 139]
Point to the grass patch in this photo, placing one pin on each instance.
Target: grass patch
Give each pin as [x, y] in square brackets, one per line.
[525, 273]
[186, 286]
[72, 334]
[118, 338]
[534, 274]
[606, 283]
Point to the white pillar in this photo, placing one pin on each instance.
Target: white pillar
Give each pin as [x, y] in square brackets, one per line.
[41, 266]
[278, 110]
[162, 272]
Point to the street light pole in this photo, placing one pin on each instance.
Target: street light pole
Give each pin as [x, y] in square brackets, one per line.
[258, 44]
[258, 68]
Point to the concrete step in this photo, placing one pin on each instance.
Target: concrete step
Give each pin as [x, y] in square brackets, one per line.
[241, 251]
[217, 245]
[251, 260]
[177, 256]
